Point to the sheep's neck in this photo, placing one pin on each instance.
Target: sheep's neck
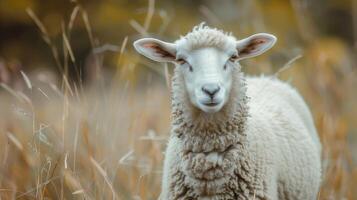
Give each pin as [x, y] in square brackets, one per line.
[211, 147]
[208, 133]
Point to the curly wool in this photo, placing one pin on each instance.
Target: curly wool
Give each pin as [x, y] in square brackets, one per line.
[205, 36]
[232, 157]
[211, 147]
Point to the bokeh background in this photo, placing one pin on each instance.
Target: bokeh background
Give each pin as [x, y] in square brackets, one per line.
[82, 116]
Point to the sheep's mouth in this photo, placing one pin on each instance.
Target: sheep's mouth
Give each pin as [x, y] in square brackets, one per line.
[211, 104]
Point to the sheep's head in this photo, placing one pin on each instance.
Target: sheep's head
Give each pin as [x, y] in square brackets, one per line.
[206, 58]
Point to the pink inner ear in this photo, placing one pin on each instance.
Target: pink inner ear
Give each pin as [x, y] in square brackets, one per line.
[259, 41]
[159, 50]
[253, 45]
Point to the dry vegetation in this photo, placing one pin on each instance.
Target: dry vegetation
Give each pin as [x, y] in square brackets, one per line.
[105, 140]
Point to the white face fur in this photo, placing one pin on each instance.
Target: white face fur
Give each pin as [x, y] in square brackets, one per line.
[207, 71]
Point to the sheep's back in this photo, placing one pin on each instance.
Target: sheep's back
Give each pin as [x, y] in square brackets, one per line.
[280, 126]
[274, 97]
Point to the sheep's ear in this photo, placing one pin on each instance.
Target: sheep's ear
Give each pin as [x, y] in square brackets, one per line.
[254, 45]
[156, 50]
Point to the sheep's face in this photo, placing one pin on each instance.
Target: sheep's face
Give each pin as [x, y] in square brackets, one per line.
[207, 74]
[207, 69]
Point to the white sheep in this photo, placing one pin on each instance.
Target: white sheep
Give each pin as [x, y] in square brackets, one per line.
[233, 137]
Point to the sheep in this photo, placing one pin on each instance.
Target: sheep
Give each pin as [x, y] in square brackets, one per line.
[233, 136]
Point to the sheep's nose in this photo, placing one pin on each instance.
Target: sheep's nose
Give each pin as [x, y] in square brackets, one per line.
[210, 89]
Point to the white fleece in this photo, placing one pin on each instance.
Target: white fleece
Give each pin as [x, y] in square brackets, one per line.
[262, 144]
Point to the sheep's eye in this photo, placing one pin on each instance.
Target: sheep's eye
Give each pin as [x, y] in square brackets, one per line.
[233, 58]
[181, 61]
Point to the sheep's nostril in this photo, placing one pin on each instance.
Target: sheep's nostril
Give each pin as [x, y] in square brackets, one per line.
[210, 89]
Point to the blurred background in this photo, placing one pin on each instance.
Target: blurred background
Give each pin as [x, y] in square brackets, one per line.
[83, 116]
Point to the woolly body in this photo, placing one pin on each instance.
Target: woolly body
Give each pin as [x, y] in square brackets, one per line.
[272, 154]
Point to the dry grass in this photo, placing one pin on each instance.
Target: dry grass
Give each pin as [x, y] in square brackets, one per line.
[105, 141]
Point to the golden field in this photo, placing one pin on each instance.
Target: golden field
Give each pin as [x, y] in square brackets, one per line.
[82, 116]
